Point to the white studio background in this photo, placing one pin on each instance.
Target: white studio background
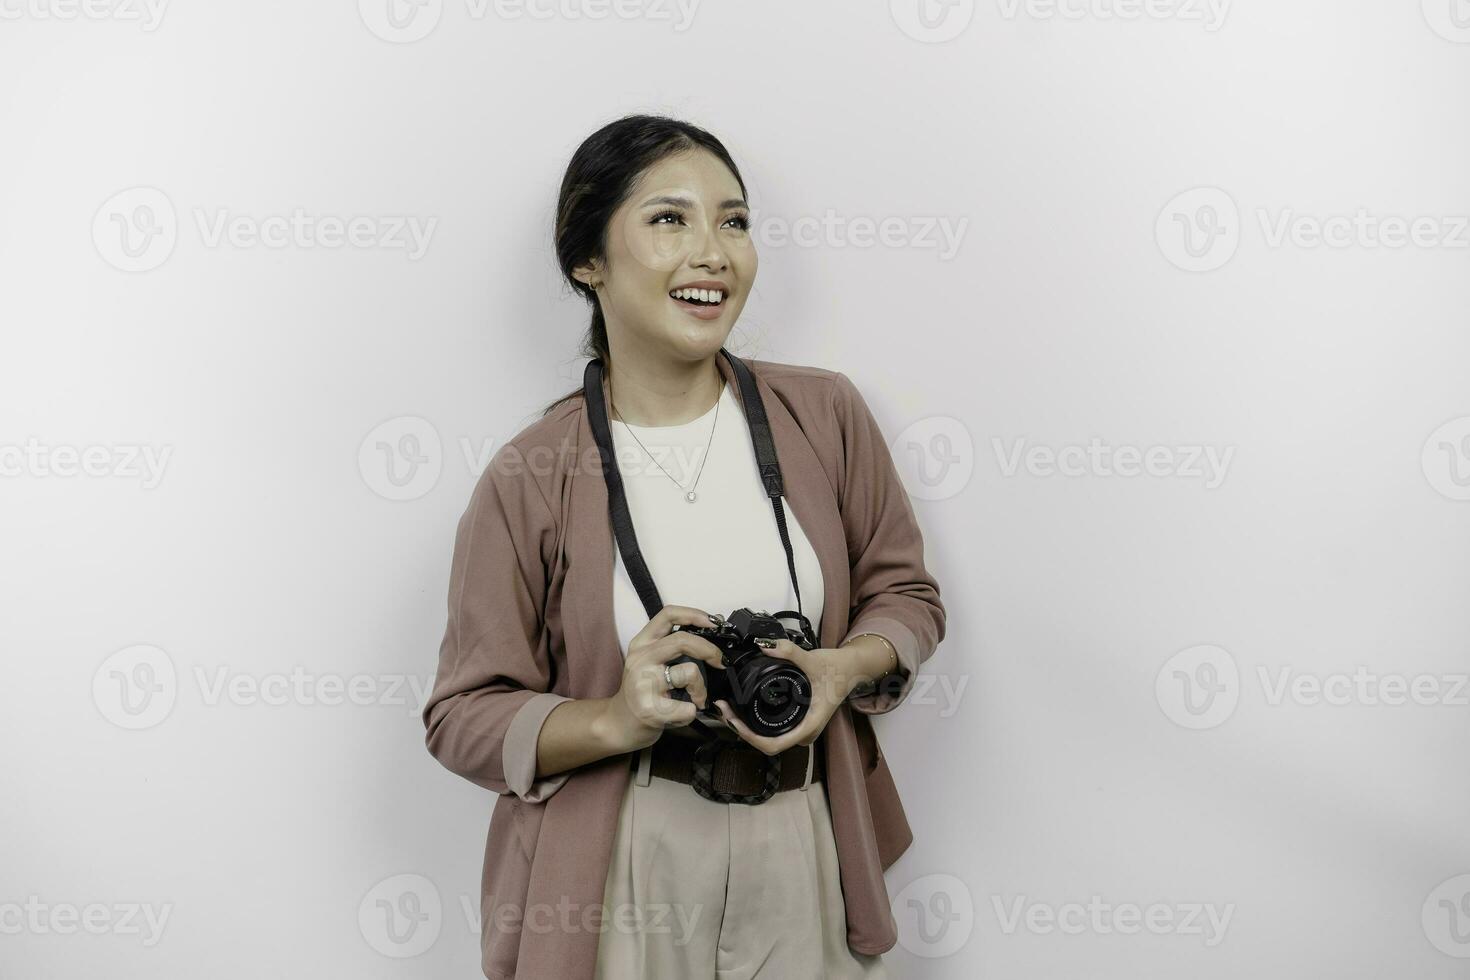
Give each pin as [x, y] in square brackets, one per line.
[1162, 304]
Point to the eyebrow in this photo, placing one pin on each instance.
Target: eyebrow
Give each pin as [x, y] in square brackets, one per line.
[684, 202]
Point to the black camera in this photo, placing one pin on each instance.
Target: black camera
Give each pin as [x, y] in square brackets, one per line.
[770, 695]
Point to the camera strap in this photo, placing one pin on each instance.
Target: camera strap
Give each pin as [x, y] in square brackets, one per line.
[622, 521]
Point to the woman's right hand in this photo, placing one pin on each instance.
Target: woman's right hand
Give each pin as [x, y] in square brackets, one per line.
[642, 708]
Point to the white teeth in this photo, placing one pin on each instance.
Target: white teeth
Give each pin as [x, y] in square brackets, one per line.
[703, 295]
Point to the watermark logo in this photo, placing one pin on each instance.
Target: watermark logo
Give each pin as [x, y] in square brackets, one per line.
[1208, 464]
[1362, 229]
[938, 233]
[38, 918]
[401, 459]
[1208, 13]
[1199, 230]
[1450, 19]
[935, 457]
[1446, 459]
[1198, 687]
[136, 687]
[1446, 917]
[147, 14]
[406, 21]
[126, 461]
[401, 21]
[1364, 687]
[1100, 918]
[135, 230]
[679, 13]
[935, 915]
[932, 21]
[401, 916]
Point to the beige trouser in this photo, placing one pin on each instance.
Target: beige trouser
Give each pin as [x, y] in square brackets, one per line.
[699, 890]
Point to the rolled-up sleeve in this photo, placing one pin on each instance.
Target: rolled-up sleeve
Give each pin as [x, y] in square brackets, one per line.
[492, 690]
[893, 594]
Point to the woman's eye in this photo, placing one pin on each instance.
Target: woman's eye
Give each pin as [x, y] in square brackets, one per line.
[740, 221]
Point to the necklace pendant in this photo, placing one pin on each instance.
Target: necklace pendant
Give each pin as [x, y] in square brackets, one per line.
[689, 496]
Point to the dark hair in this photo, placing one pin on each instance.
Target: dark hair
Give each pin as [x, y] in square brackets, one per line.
[598, 180]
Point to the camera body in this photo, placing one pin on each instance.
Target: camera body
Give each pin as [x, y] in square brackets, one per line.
[769, 694]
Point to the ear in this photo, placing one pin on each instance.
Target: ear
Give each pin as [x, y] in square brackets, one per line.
[587, 274]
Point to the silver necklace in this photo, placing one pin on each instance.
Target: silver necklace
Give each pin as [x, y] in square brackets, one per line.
[689, 495]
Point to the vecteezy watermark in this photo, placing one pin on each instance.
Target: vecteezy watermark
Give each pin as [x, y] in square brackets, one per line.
[1210, 14]
[1362, 686]
[1208, 464]
[932, 21]
[1446, 917]
[1205, 920]
[934, 456]
[677, 920]
[1445, 459]
[402, 458]
[406, 21]
[401, 916]
[122, 461]
[1363, 229]
[935, 915]
[38, 918]
[137, 229]
[137, 688]
[1450, 19]
[147, 14]
[936, 689]
[303, 688]
[1201, 229]
[941, 234]
[1200, 687]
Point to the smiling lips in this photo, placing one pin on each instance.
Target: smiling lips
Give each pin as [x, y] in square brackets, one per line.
[706, 304]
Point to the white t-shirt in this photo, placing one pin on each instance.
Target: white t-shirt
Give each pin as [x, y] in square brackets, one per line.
[721, 552]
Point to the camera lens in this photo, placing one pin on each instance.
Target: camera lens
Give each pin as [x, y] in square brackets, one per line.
[776, 692]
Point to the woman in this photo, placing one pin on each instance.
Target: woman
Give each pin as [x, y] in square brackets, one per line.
[611, 853]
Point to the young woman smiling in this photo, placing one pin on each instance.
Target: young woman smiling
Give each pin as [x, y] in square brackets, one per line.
[609, 856]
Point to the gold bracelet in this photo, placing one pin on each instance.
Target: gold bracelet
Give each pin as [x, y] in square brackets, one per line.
[886, 642]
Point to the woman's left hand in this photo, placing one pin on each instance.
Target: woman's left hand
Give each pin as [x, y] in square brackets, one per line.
[832, 677]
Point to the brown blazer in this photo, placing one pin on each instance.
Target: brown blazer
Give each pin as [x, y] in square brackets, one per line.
[531, 625]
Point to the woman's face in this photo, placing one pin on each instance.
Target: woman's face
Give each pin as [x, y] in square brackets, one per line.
[685, 224]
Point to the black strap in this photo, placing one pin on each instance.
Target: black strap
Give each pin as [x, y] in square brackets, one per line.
[622, 521]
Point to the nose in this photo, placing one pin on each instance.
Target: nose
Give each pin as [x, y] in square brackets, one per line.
[708, 254]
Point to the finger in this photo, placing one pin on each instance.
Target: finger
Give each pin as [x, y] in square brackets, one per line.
[681, 675]
[766, 745]
[694, 684]
[675, 645]
[780, 649]
[664, 621]
[674, 713]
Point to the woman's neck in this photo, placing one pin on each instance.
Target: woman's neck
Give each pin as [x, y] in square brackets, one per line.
[667, 392]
